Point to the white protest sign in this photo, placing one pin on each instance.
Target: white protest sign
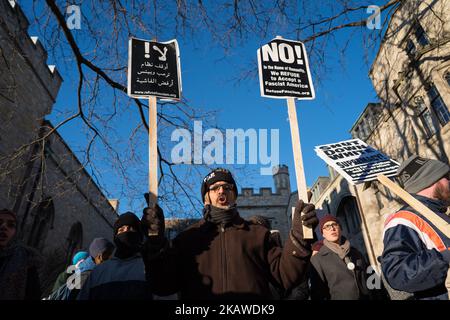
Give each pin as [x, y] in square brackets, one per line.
[284, 70]
[356, 161]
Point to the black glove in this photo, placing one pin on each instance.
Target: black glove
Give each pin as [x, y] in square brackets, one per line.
[153, 222]
[309, 219]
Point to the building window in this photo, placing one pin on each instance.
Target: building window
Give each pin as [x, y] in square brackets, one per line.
[421, 36]
[438, 105]
[379, 200]
[74, 240]
[44, 216]
[356, 133]
[447, 78]
[425, 117]
[410, 47]
[348, 215]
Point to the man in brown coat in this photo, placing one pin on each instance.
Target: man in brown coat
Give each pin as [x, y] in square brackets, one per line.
[223, 256]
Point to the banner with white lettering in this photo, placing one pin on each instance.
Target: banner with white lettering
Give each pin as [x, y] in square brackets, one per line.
[356, 161]
[284, 70]
[154, 69]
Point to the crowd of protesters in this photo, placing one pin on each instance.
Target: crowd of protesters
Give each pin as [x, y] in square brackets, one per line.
[224, 256]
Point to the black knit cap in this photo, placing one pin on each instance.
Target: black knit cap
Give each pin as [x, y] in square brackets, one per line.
[219, 174]
[130, 219]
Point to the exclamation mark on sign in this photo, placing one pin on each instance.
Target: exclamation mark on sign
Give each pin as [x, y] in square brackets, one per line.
[147, 50]
[298, 51]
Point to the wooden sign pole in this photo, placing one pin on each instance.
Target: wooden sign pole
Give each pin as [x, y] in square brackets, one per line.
[440, 223]
[298, 160]
[152, 151]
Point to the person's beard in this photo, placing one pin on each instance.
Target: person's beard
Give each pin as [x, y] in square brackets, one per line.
[442, 192]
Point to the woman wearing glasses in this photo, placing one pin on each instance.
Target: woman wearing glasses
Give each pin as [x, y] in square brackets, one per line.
[339, 270]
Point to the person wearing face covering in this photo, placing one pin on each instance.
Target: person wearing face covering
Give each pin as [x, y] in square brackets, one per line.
[224, 256]
[122, 277]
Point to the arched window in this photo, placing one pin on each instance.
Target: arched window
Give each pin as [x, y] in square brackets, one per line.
[44, 216]
[350, 219]
[74, 240]
[348, 215]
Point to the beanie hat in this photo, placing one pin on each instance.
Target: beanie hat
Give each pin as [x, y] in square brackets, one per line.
[326, 219]
[416, 173]
[218, 174]
[130, 219]
[99, 246]
[11, 213]
[80, 255]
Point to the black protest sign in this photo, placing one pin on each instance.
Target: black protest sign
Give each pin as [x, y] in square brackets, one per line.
[154, 69]
[284, 70]
[356, 161]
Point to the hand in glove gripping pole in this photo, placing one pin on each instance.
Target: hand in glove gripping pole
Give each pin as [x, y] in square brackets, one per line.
[153, 221]
[309, 219]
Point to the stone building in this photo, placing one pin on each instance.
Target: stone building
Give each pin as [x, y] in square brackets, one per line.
[60, 208]
[411, 75]
[272, 205]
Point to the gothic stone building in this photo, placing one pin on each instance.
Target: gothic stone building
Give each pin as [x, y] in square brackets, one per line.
[60, 208]
[411, 75]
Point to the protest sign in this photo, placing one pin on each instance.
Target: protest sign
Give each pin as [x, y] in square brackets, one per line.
[284, 73]
[284, 70]
[356, 161]
[154, 69]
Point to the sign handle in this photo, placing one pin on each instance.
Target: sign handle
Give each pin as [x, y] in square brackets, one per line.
[299, 171]
[440, 223]
[152, 151]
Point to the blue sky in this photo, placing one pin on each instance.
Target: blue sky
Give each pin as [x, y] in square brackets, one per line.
[209, 82]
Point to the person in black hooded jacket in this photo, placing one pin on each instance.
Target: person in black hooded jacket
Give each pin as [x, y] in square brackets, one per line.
[123, 276]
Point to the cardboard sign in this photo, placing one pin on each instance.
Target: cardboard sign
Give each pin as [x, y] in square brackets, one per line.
[356, 161]
[154, 69]
[284, 70]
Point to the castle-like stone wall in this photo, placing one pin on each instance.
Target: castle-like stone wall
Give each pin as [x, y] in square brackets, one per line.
[60, 208]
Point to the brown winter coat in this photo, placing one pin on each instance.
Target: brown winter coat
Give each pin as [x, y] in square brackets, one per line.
[207, 261]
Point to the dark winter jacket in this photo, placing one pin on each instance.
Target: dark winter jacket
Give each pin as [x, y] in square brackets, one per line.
[117, 279]
[416, 257]
[19, 276]
[331, 279]
[208, 261]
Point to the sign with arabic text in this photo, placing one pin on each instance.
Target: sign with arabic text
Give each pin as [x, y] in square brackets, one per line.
[154, 69]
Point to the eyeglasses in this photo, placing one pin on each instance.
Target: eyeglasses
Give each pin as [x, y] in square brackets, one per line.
[329, 226]
[226, 187]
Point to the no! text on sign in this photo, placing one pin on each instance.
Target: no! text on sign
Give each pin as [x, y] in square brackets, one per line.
[284, 70]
